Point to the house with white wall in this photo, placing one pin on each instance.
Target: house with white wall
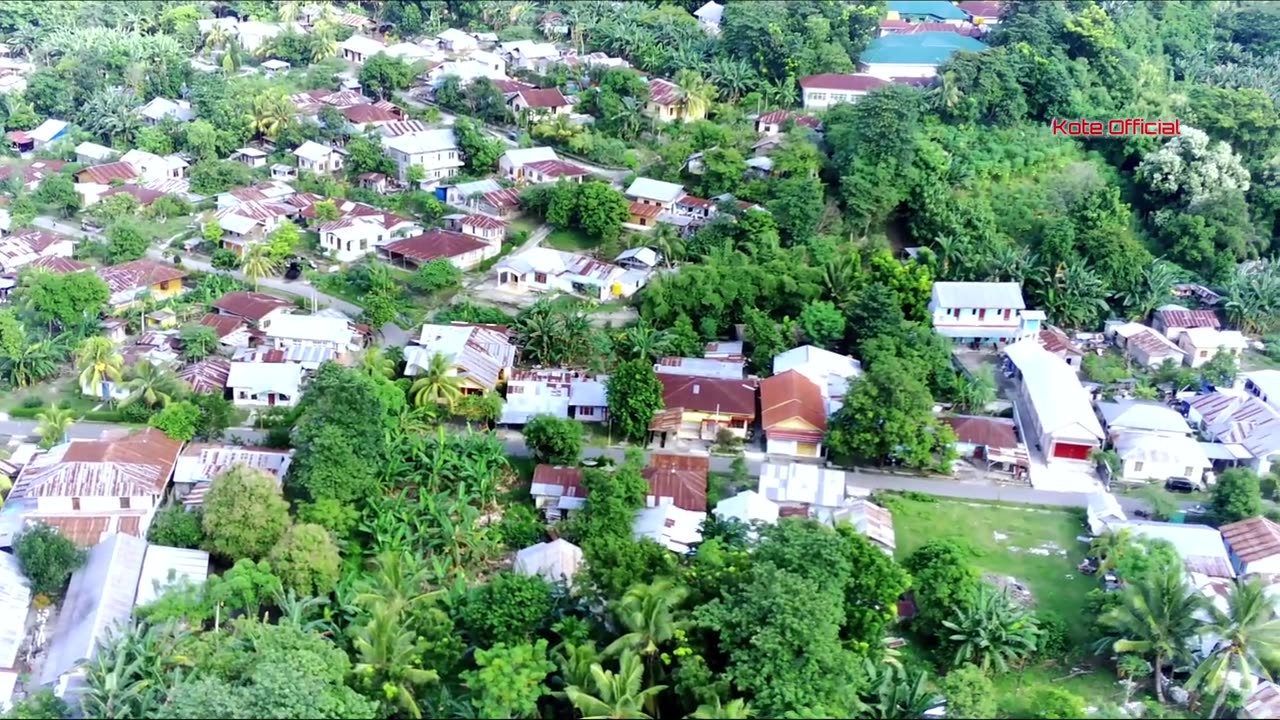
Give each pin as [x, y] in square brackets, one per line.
[982, 312]
[254, 384]
[1059, 416]
[1254, 546]
[435, 151]
[822, 91]
[319, 159]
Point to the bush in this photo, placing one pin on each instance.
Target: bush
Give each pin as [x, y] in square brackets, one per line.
[33, 401]
[224, 259]
[175, 527]
[47, 558]
[554, 440]
[106, 416]
[436, 275]
[969, 693]
[25, 412]
[331, 514]
[136, 412]
[1051, 703]
[1053, 640]
[521, 527]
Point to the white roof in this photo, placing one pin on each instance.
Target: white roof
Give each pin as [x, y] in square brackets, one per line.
[642, 255]
[48, 130]
[94, 150]
[453, 35]
[651, 189]
[362, 45]
[250, 152]
[519, 157]
[1179, 451]
[99, 598]
[530, 49]
[674, 528]
[747, 506]
[553, 561]
[556, 262]
[1057, 398]
[978, 295]
[423, 142]
[408, 51]
[701, 367]
[802, 483]
[588, 393]
[315, 328]
[238, 224]
[274, 64]
[15, 598]
[313, 151]
[279, 378]
[710, 13]
[1200, 546]
[165, 567]
[1143, 415]
[1268, 381]
[1103, 509]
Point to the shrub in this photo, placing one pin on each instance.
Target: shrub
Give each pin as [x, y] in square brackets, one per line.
[1053, 640]
[224, 259]
[33, 401]
[47, 558]
[176, 527]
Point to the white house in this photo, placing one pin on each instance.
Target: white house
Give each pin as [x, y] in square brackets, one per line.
[468, 70]
[337, 334]
[747, 507]
[1145, 346]
[435, 151]
[320, 159]
[802, 484]
[530, 55]
[1254, 546]
[1059, 416]
[351, 238]
[648, 191]
[1147, 457]
[709, 16]
[1264, 385]
[265, 384]
[1139, 416]
[982, 312]
[542, 269]
[831, 372]
[511, 164]
[479, 356]
[1203, 344]
[253, 157]
[91, 153]
[555, 561]
[457, 40]
[824, 90]
[358, 48]
[676, 529]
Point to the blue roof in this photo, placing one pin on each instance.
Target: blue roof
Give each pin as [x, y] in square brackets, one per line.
[940, 9]
[927, 48]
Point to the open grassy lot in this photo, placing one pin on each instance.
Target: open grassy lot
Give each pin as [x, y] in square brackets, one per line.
[569, 240]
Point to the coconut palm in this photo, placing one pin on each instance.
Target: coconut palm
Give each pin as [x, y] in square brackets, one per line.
[271, 112]
[287, 11]
[642, 342]
[98, 362]
[216, 38]
[614, 695]
[153, 384]
[698, 94]
[389, 656]
[1155, 619]
[376, 363]
[1110, 546]
[976, 390]
[991, 632]
[1248, 635]
[436, 385]
[648, 613]
[259, 263]
[322, 44]
[53, 425]
[667, 241]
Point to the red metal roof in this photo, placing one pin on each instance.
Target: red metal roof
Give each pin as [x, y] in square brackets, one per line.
[250, 305]
[223, 325]
[208, 375]
[363, 114]
[542, 97]
[991, 432]
[791, 395]
[683, 478]
[434, 245]
[145, 196]
[484, 222]
[504, 198]
[644, 210]
[568, 478]
[981, 8]
[60, 265]
[857, 82]
[104, 174]
[138, 274]
[700, 394]
[1189, 319]
[777, 117]
[664, 92]
[557, 168]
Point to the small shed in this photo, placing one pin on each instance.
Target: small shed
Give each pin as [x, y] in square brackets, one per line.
[553, 561]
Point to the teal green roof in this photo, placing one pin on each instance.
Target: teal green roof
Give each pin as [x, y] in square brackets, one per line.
[927, 48]
[940, 9]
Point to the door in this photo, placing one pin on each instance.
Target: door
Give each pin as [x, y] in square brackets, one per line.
[807, 449]
[271, 399]
[1071, 451]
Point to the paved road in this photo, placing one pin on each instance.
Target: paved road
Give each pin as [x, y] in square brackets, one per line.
[60, 226]
[94, 430]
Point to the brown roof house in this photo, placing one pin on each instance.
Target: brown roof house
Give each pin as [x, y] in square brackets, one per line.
[253, 307]
[140, 279]
[680, 480]
[539, 102]
[697, 408]
[989, 440]
[91, 487]
[557, 490]
[793, 415]
[1254, 546]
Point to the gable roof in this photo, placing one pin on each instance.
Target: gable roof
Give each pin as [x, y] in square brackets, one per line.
[314, 151]
[138, 274]
[1189, 319]
[104, 174]
[1057, 397]
[207, 375]
[926, 48]
[58, 264]
[747, 506]
[852, 82]
[1143, 415]
[1253, 539]
[133, 466]
[250, 305]
[991, 432]
[280, 378]
[480, 352]
[542, 97]
[978, 295]
[15, 598]
[520, 156]
[313, 328]
[650, 189]
[731, 397]
[434, 245]
[791, 395]
[553, 561]
[678, 479]
[941, 9]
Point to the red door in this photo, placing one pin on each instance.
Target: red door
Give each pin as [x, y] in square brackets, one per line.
[1072, 451]
[271, 399]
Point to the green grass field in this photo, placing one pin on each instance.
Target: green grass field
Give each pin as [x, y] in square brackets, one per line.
[569, 240]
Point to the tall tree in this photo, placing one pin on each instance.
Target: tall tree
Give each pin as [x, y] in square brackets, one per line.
[634, 395]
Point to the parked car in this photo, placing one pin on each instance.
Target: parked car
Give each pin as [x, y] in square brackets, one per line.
[1179, 485]
[293, 272]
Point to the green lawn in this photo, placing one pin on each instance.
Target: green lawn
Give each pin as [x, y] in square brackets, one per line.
[527, 224]
[569, 240]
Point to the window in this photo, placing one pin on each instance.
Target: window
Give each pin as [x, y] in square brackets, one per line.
[1204, 353]
[586, 412]
[982, 314]
[1137, 466]
[1007, 313]
[818, 96]
[1187, 471]
[838, 97]
[75, 503]
[955, 313]
[124, 503]
[540, 278]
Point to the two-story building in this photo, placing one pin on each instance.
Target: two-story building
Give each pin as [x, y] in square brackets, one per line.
[511, 164]
[333, 333]
[793, 415]
[1055, 409]
[825, 90]
[489, 229]
[982, 312]
[915, 55]
[435, 151]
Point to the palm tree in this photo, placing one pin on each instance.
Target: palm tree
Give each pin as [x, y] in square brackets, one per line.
[947, 94]
[53, 426]
[666, 240]
[1155, 619]
[1110, 546]
[375, 363]
[620, 695]
[98, 362]
[1248, 639]
[648, 614]
[389, 655]
[976, 391]
[30, 363]
[287, 11]
[216, 38]
[642, 342]
[992, 631]
[895, 693]
[323, 44]
[436, 385]
[271, 112]
[153, 384]
[259, 263]
[737, 709]
[698, 94]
